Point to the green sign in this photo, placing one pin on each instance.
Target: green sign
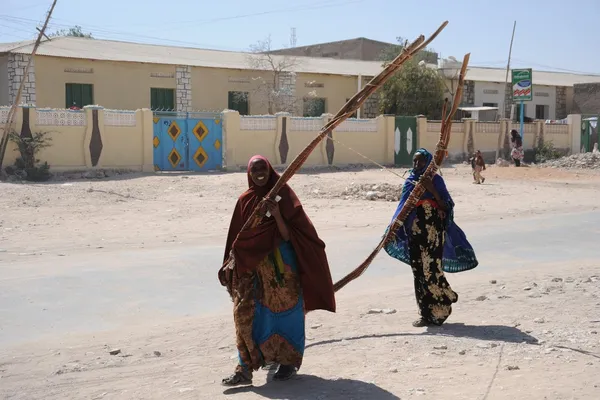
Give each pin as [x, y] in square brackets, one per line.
[522, 85]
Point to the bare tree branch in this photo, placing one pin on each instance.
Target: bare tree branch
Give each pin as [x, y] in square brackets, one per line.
[275, 85]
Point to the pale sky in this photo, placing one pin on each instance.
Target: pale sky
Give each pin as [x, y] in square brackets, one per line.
[550, 34]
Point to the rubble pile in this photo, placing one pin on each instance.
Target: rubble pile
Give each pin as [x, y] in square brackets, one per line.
[575, 161]
[373, 192]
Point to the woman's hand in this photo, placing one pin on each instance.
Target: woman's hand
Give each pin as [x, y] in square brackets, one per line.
[273, 207]
[428, 184]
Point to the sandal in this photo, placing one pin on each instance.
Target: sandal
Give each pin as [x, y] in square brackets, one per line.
[284, 372]
[237, 379]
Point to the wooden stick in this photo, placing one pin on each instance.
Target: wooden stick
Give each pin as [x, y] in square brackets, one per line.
[348, 109]
[419, 189]
[13, 108]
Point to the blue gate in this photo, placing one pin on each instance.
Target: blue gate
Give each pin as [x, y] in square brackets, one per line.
[187, 142]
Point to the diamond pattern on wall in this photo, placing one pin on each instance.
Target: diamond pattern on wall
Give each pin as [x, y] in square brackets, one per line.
[174, 131]
[200, 131]
[200, 157]
[174, 158]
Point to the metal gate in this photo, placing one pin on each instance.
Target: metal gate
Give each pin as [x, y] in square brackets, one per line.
[188, 141]
[405, 140]
[589, 132]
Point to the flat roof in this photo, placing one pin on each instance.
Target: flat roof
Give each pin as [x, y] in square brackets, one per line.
[110, 50]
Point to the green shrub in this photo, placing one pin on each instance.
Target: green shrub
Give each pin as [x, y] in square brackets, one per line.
[27, 166]
[546, 152]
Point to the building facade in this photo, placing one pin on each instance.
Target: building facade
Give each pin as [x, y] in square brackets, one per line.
[69, 72]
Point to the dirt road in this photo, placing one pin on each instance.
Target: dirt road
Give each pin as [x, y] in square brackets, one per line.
[87, 267]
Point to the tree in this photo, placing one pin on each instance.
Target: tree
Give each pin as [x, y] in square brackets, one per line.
[414, 90]
[75, 31]
[427, 55]
[275, 83]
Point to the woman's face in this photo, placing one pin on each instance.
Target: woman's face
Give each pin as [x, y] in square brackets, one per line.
[419, 161]
[259, 172]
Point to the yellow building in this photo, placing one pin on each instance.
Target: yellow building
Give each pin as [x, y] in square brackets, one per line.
[71, 71]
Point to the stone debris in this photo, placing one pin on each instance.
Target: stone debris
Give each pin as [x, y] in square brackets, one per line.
[114, 352]
[539, 320]
[382, 311]
[372, 192]
[575, 161]
[442, 347]
[493, 281]
[481, 298]
[316, 326]
[512, 367]
[500, 162]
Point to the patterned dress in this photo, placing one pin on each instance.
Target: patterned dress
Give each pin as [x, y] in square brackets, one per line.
[426, 250]
[431, 245]
[270, 327]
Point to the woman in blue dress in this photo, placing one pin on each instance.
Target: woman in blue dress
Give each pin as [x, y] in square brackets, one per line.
[431, 243]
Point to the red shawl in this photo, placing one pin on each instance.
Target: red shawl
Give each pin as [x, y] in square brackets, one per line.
[254, 244]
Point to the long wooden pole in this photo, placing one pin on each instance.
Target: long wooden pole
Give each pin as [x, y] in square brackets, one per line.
[13, 108]
[225, 274]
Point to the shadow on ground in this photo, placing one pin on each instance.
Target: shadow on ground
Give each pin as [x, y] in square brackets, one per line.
[498, 333]
[311, 387]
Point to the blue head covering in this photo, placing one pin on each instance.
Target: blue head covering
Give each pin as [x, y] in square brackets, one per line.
[458, 252]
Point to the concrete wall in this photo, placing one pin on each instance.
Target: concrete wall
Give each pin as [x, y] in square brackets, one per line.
[489, 137]
[4, 101]
[247, 136]
[127, 138]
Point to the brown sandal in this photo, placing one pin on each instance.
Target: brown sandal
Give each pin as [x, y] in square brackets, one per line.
[237, 379]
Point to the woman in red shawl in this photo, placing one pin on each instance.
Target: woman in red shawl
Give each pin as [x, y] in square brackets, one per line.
[281, 272]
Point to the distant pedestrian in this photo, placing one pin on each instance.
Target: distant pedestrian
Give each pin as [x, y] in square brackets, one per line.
[517, 147]
[478, 165]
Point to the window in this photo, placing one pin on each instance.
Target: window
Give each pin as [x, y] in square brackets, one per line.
[314, 107]
[238, 101]
[162, 99]
[79, 95]
[490, 104]
[541, 111]
[355, 113]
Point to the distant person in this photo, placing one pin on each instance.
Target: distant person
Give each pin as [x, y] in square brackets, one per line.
[478, 165]
[431, 243]
[281, 272]
[516, 143]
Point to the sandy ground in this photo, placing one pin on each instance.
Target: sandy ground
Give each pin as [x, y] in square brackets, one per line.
[523, 333]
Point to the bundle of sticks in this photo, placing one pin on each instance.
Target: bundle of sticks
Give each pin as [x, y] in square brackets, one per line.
[419, 190]
[347, 110]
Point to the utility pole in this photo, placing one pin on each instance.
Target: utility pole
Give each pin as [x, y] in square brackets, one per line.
[293, 38]
[17, 99]
[505, 97]
[508, 69]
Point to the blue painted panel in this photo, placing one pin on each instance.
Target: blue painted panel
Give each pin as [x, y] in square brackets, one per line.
[206, 143]
[170, 144]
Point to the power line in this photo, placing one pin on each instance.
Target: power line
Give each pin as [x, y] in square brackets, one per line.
[99, 31]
